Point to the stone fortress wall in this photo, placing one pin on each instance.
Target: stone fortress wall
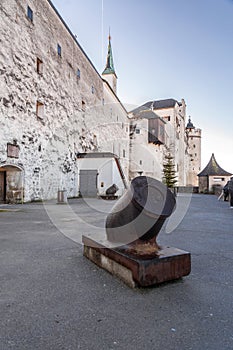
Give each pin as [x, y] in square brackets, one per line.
[54, 105]
[53, 102]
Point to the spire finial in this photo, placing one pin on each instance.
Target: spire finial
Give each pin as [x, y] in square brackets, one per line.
[109, 69]
[109, 36]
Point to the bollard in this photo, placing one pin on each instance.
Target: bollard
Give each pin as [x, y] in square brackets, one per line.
[61, 197]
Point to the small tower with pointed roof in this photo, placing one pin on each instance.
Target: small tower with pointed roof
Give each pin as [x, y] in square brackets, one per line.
[109, 73]
[212, 175]
[189, 125]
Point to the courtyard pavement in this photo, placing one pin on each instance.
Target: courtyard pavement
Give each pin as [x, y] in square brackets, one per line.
[53, 298]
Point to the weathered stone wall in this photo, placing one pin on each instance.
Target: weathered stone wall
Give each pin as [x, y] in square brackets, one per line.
[203, 184]
[194, 155]
[114, 134]
[74, 117]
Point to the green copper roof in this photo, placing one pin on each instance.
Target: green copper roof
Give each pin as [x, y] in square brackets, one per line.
[109, 69]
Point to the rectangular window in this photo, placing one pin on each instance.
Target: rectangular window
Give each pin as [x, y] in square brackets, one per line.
[12, 151]
[123, 153]
[217, 179]
[78, 74]
[39, 66]
[92, 89]
[40, 110]
[83, 106]
[140, 162]
[59, 50]
[30, 14]
[137, 131]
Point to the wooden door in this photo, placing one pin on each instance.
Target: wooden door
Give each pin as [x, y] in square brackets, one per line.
[2, 186]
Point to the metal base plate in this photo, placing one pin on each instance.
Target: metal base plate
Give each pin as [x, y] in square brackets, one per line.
[167, 265]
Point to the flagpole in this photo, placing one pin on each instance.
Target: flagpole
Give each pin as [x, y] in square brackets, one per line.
[102, 32]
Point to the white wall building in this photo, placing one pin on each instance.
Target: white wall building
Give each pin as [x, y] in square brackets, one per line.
[158, 127]
[213, 178]
[146, 150]
[98, 172]
[53, 104]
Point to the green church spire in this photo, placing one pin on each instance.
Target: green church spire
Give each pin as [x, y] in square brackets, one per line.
[109, 69]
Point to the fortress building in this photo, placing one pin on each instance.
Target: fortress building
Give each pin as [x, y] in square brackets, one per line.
[158, 127]
[62, 125]
[53, 104]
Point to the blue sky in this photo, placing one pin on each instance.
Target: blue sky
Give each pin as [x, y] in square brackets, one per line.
[163, 49]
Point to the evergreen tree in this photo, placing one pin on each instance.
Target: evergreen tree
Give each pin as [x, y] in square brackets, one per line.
[169, 173]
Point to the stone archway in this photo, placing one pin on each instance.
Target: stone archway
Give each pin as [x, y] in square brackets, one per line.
[11, 184]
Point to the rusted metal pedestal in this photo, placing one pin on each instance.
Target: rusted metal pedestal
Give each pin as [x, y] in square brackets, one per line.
[166, 265]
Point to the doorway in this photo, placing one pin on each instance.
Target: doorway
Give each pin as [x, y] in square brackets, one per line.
[2, 186]
[88, 183]
[11, 184]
